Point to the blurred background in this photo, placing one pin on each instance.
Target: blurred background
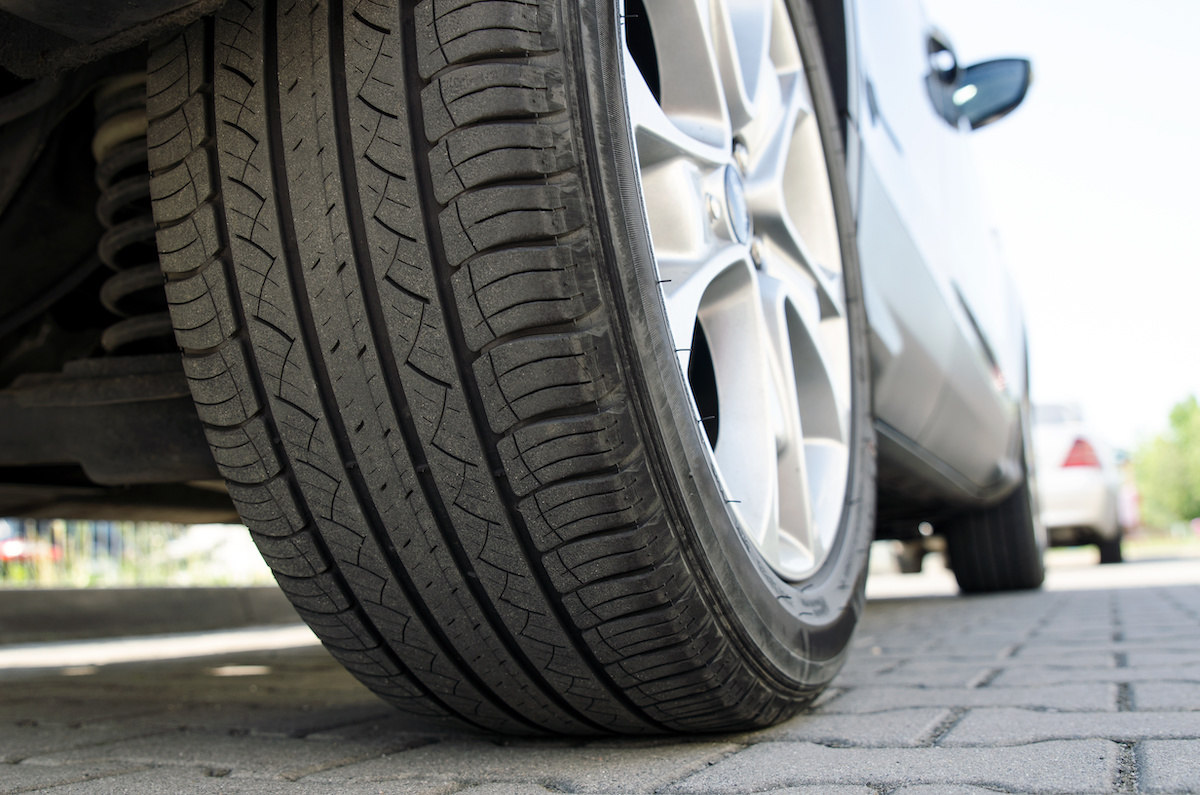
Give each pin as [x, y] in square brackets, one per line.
[42, 553]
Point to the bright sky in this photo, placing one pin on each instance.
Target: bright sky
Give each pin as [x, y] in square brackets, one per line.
[1094, 184]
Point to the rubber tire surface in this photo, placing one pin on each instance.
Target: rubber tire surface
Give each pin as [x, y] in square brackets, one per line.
[996, 548]
[1110, 551]
[388, 235]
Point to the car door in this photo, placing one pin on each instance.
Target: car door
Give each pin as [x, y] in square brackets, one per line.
[924, 254]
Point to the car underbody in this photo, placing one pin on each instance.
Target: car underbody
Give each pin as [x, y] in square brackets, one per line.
[91, 426]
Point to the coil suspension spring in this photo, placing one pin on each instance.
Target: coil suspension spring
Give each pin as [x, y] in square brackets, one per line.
[135, 290]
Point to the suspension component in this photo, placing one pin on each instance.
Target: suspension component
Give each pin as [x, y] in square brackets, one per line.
[135, 290]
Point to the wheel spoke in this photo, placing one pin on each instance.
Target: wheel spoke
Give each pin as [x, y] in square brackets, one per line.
[741, 39]
[819, 351]
[789, 258]
[691, 92]
[813, 462]
[661, 137]
[679, 227]
[751, 417]
[686, 284]
[788, 190]
[795, 502]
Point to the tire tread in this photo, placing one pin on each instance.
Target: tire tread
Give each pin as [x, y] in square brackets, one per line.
[382, 274]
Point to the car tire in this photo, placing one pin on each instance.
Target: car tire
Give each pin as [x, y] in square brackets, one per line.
[1110, 549]
[998, 548]
[409, 269]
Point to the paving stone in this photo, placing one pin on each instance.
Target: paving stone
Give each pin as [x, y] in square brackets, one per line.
[23, 778]
[21, 741]
[994, 646]
[268, 721]
[1134, 659]
[1054, 675]
[307, 727]
[942, 789]
[614, 766]
[1056, 656]
[71, 712]
[264, 757]
[930, 673]
[208, 781]
[898, 728]
[1165, 695]
[1169, 766]
[1070, 634]
[990, 727]
[892, 642]
[862, 670]
[1091, 696]
[1012, 655]
[1053, 767]
[389, 723]
[505, 789]
[1161, 634]
[1186, 642]
[533, 789]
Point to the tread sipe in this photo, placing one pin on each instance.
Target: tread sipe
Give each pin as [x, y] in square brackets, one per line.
[383, 271]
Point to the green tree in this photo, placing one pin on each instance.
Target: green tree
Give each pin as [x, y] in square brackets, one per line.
[1168, 468]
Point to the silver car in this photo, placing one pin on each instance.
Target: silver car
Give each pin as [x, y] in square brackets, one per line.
[1079, 481]
[563, 357]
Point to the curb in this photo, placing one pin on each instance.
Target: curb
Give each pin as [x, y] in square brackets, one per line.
[35, 615]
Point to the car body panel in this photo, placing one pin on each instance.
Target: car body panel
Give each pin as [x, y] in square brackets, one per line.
[948, 346]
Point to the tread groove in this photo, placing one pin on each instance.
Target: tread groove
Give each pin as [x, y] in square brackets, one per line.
[421, 149]
[324, 390]
[264, 413]
[395, 389]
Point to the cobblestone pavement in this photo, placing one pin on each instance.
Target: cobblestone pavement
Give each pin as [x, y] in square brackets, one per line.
[1090, 686]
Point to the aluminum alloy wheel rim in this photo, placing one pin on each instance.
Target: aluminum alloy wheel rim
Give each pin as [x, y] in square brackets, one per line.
[733, 127]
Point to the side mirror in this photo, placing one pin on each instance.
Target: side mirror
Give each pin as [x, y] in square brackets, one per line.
[990, 90]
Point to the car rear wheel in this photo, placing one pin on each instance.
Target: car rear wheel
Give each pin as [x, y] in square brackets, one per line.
[1000, 547]
[512, 461]
[1110, 550]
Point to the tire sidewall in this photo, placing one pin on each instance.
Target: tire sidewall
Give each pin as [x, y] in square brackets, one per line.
[796, 634]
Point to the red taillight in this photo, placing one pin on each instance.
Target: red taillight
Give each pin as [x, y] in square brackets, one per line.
[1081, 455]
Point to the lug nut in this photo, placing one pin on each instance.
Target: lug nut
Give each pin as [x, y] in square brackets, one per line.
[756, 252]
[714, 207]
[741, 156]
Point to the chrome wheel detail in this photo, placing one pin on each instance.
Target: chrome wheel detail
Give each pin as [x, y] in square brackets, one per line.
[742, 225]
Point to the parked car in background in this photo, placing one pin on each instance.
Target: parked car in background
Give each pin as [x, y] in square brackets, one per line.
[554, 351]
[1079, 481]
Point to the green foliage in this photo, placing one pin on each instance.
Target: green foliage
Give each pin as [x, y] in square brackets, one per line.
[1168, 469]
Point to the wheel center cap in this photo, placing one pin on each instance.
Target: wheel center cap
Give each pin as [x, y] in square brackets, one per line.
[735, 204]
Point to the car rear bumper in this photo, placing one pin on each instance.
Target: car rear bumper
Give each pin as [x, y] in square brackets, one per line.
[1081, 499]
